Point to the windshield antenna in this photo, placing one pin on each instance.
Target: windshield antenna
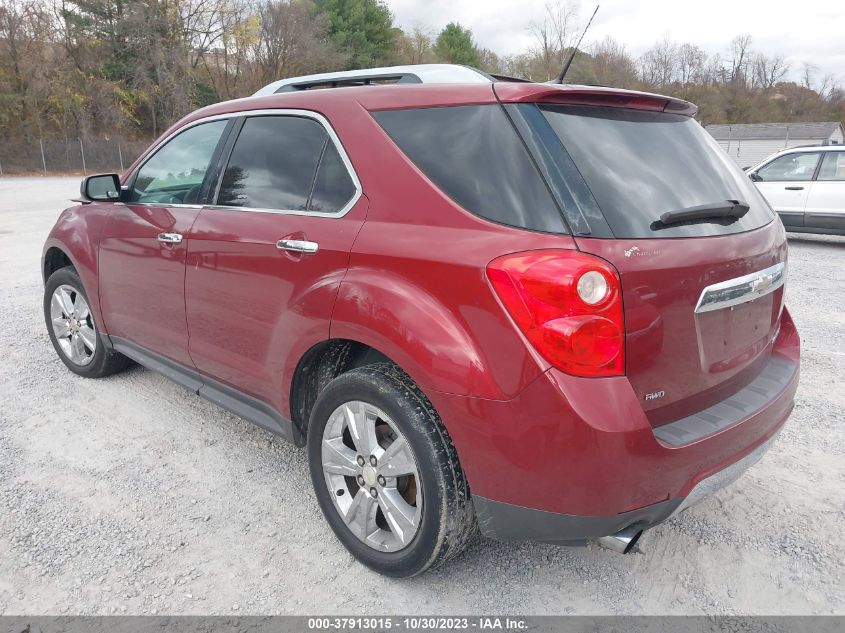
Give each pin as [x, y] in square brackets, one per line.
[575, 50]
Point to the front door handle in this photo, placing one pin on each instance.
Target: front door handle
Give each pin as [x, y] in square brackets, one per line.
[794, 188]
[169, 238]
[298, 246]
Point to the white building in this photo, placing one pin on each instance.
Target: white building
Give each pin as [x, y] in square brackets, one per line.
[750, 143]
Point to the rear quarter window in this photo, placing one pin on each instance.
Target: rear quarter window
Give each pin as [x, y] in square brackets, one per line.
[474, 155]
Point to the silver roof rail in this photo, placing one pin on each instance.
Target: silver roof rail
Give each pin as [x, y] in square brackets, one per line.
[413, 74]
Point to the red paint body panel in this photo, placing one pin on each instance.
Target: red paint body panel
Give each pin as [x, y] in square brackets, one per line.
[77, 234]
[254, 310]
[142, 281]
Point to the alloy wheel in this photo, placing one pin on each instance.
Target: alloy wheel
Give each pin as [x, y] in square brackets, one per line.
[371, 473]
[73, 324]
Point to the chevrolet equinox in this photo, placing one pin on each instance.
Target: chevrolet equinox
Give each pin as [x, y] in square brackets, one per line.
[545, 312]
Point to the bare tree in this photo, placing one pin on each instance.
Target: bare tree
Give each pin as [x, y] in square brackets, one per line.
[415, 48]
[740, 58]
[612, 65]
[204, 22]
[489, 62]
[691, 63]
[769, 70]
[554, 37]
[227, 64]
[291, 41]
[660, 63]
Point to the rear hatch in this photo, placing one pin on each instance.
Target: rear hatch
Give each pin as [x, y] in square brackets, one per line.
[702, 289]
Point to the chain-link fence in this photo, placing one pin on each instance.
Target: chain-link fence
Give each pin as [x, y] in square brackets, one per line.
[68, 155]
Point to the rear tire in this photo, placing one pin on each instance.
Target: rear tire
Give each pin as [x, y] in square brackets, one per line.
[397, 498]
[73, 329]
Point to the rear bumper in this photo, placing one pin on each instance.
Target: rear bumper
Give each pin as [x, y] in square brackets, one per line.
[571, 459]
[506, 522]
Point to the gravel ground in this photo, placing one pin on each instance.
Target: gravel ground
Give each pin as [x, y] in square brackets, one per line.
[131, 495]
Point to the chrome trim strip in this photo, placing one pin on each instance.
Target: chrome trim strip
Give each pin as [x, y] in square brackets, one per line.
[169, 205]
[312, 214]
[308, 114]
[743, 289]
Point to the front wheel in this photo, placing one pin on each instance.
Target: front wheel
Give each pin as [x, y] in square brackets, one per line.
[386, 474]
[73, 330]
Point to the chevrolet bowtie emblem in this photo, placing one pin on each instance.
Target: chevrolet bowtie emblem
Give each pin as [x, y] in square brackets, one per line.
[761, 284]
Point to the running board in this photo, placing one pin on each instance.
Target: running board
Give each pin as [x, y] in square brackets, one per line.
[243, 405]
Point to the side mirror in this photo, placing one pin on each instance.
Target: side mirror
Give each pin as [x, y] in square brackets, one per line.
[753, 175]
[101, 188]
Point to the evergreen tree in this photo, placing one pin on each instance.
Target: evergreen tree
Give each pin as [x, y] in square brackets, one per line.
[362, 30]
[456, 46]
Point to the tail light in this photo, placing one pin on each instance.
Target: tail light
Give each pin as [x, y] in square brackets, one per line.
[568, 304]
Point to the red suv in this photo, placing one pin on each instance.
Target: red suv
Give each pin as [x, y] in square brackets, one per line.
[551, 312]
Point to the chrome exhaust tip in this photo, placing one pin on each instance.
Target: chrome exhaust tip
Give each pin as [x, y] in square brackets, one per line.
[623, 541]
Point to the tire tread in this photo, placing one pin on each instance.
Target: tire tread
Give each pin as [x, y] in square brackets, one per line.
[458, 521]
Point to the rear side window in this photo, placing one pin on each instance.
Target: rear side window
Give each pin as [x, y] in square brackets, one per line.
[476, 157]
[790, 168]
[833, 166]
[285, 163]
[273, 163]
[639, 165]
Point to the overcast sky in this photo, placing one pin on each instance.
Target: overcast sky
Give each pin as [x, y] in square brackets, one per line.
[811, 31]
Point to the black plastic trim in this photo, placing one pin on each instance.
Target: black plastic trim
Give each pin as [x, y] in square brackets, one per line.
[815, 229]
[507, 522]
[832, 221]
[233, 400]
[769, 383]
[570, 191]
[791, 218]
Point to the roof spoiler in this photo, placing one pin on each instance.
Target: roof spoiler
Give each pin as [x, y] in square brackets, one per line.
[593, 95]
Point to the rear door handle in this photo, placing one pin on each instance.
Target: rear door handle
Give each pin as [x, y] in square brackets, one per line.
[298, 246]
[794, 188]
[169, 238]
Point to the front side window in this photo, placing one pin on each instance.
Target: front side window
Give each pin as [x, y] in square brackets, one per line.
[792, 167]
[833, 166]
[175, 172]
[285, 163]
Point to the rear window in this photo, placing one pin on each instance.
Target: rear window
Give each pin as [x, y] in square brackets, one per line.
[476, 157]
[639, 165]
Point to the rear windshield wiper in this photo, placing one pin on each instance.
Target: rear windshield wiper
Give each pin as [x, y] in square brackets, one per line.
[723, 209]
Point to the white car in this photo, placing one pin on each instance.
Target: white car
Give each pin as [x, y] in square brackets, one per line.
[806, 186]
